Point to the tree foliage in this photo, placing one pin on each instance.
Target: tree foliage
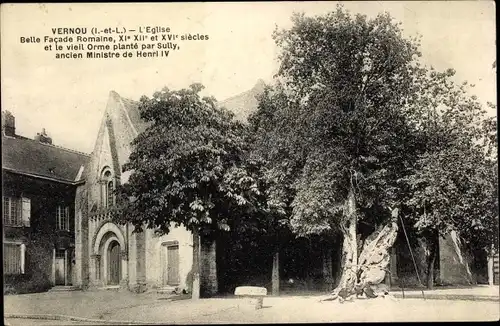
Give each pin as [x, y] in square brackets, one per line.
[453, 183]
[189, 167]
[335, 116]
[355, 111]
[356, 108]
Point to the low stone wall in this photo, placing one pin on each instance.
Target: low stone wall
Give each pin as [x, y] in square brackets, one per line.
[26, 283]
[37, 276]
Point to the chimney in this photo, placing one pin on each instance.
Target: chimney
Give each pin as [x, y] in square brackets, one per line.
[42, 137]
[8, 124]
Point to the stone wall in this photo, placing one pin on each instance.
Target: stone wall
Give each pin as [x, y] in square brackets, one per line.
[81, 266]
[132, 258]
[140, 259]
[156, 258]
[454, 261]
[208, 268]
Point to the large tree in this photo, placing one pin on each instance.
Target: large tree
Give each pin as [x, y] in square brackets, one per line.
[341, 133]
[358, 130]
[189, 168]
[268, 145]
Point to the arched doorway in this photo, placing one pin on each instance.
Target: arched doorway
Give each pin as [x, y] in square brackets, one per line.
[114, 263]
[110, 266]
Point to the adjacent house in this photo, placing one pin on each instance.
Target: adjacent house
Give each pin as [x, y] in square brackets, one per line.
[40, 181]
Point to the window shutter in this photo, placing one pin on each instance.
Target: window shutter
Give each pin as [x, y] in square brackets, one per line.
[26, 211]
[58, 218]
[17, 211]
[66, 223]
[23, 257]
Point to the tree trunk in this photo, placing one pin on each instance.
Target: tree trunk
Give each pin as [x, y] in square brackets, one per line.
[345, 288]
[276, 274]
[375, 257]
[196, 266]
[360, 275]
[327, 268]
[431, 261]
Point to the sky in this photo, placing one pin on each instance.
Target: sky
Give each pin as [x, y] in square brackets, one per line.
[68, 97]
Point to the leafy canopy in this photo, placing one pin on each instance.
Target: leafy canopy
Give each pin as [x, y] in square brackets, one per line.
[355, 109]
[454, 180]
[338, 115]
[188, 167]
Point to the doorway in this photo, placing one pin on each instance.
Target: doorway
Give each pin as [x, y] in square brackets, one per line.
[171, 265]
[60, 267]
[114, 263]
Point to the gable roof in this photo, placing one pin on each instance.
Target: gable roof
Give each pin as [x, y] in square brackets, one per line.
[131, 109]
[242, 105]
[31, 157]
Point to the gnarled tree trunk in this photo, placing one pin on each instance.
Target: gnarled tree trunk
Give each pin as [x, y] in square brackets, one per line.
[375, 257]
[361, 274]
[345, 288]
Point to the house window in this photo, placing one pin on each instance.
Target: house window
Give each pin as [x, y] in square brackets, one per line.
[13, 258]
[63, 218]
[16, 211]
[11, 213]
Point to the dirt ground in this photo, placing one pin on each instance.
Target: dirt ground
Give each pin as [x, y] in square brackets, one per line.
[154, 308]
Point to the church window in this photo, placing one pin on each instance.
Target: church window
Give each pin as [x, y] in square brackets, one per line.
[107, 188]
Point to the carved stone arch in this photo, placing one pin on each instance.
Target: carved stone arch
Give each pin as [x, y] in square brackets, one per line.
[105, 227]
[105, 170]
[98, 228]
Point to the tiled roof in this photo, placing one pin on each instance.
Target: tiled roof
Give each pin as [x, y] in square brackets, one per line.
[31, 157]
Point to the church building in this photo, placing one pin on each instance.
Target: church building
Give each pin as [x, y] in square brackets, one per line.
[112, 255]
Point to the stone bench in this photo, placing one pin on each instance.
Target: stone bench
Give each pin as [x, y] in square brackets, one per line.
[255, 293]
